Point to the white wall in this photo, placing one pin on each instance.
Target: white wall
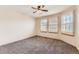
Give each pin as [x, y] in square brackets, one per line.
[77, 28]
[14, 27]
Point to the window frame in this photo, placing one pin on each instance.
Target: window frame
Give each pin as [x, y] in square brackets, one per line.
[74, 20]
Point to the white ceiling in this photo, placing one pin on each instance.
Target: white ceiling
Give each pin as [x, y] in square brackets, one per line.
[27, 10]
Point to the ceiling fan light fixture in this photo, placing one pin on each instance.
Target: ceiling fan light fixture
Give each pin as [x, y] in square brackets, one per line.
[40, 9]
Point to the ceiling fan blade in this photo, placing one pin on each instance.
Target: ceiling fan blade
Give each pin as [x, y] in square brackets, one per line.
[34, 11]
[34, 8]
[44, 10]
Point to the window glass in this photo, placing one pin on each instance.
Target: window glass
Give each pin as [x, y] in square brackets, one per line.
[43, 24]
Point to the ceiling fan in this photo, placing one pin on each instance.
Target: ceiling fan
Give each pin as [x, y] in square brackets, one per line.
[39, 8]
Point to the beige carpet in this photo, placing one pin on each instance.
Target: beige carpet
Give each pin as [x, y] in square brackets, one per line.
[38, 45]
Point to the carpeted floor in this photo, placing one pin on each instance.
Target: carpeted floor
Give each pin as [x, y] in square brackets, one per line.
[38, 45]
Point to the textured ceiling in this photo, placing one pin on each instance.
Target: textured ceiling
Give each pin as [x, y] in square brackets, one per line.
[27, 10]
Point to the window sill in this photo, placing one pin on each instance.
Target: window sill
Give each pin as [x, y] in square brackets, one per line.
[68, 33]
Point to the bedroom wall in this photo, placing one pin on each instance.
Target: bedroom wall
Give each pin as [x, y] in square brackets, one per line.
[14, 26]
[77, 27]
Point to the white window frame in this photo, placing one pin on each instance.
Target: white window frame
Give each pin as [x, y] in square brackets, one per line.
[67, 18]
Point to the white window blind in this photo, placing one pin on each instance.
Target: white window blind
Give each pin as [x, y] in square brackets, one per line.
[43, 24]
[53, 24]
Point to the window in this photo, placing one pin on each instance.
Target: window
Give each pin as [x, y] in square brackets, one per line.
[53, 24]
[43, 24]
[67, 23]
